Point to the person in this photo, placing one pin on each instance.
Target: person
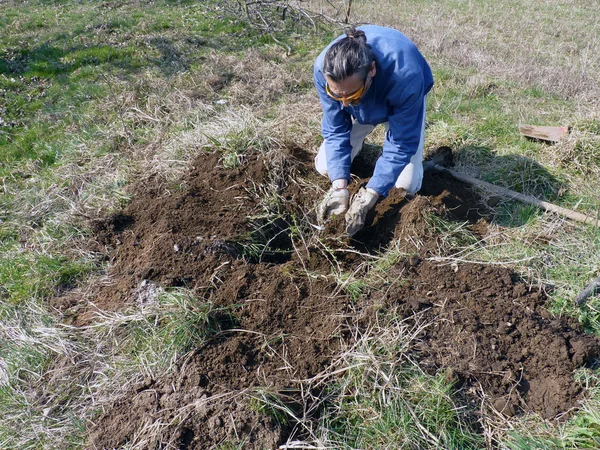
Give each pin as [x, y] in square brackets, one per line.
[371, 75]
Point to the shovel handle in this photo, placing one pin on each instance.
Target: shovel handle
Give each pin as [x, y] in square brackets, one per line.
[591, 289]
[513, 195]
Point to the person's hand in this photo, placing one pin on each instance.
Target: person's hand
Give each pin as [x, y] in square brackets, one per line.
[335, 202]
[362, 203]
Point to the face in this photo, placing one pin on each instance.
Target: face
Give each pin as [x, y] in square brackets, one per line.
[350, 90]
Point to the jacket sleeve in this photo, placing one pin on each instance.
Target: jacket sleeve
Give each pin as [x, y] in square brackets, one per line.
[403, 137]
[335, 127]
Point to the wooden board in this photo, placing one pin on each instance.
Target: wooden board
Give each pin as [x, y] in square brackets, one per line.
[550, 134]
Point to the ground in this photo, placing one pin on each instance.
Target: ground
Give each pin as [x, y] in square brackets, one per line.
[284, 315]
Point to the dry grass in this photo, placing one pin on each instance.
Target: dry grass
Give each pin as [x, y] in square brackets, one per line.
[90, 366]
[376, 396]
[579, 153]
[552, 45]
[226, 109]
[258, 79]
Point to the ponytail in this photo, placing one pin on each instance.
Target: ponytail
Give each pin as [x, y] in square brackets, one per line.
[349, 56]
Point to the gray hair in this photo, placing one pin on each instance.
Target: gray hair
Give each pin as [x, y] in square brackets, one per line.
[349, 56]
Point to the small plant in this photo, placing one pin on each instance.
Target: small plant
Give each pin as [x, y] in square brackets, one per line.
[356, 289]
[272, 405]
[450, 235]
[232, 160]
[232, 445]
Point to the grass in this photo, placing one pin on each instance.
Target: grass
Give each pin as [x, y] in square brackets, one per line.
[59, 377]
[271, 405]
[483, 132]
[94, 94]
[383, 400]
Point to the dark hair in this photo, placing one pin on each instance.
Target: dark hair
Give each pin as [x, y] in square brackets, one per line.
[348, 56]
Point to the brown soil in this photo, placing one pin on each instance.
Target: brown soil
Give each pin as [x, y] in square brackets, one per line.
[493, 335]
[488, 331]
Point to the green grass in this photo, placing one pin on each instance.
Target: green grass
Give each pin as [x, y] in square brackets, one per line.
[384, 401]
[424, 418]
[270, 404]
[483, 130]
[172, 324]
[24, 279]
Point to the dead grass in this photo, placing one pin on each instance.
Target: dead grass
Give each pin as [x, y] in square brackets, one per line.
[550, 45]
[258, 79]
[91, 366]
[375, 395]
[579, 153]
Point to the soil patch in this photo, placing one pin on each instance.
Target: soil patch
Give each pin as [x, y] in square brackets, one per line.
[288, 329]
[493, 335]
[176, 235]
[399, 217]
[487, 330]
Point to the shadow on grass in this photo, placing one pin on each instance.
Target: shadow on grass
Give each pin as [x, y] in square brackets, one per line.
[52, 61]
[515, 172]
[62, 72]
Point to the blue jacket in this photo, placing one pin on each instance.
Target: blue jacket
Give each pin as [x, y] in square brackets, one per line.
[396, 95]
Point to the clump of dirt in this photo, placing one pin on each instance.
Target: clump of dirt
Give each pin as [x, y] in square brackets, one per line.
[402, 217]
[174, 236]
[486, 328]
[413, 227]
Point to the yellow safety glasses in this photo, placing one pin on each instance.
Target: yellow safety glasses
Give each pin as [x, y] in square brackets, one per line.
[349, 98]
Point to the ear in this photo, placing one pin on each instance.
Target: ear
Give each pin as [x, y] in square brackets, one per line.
[373, 69]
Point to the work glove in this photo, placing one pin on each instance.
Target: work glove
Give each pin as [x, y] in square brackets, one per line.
[362, 203]
[335, 202]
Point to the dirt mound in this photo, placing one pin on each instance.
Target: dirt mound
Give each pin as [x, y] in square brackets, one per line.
[494, 336]
[286, 329]
[486, 329]
[402, 217]
[174, 235]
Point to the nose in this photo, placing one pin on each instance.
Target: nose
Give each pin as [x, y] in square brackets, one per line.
[345, 102]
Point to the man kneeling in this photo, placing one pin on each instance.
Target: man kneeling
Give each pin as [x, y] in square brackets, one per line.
[372, 75]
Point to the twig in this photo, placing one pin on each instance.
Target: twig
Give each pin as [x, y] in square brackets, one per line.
[119, 108]
[450, 260]
[348, 11]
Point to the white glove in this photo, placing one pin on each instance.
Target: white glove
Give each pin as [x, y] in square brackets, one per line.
[362, 203]
[335, 202]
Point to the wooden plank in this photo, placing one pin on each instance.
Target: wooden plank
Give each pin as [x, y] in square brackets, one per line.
[550, 134]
